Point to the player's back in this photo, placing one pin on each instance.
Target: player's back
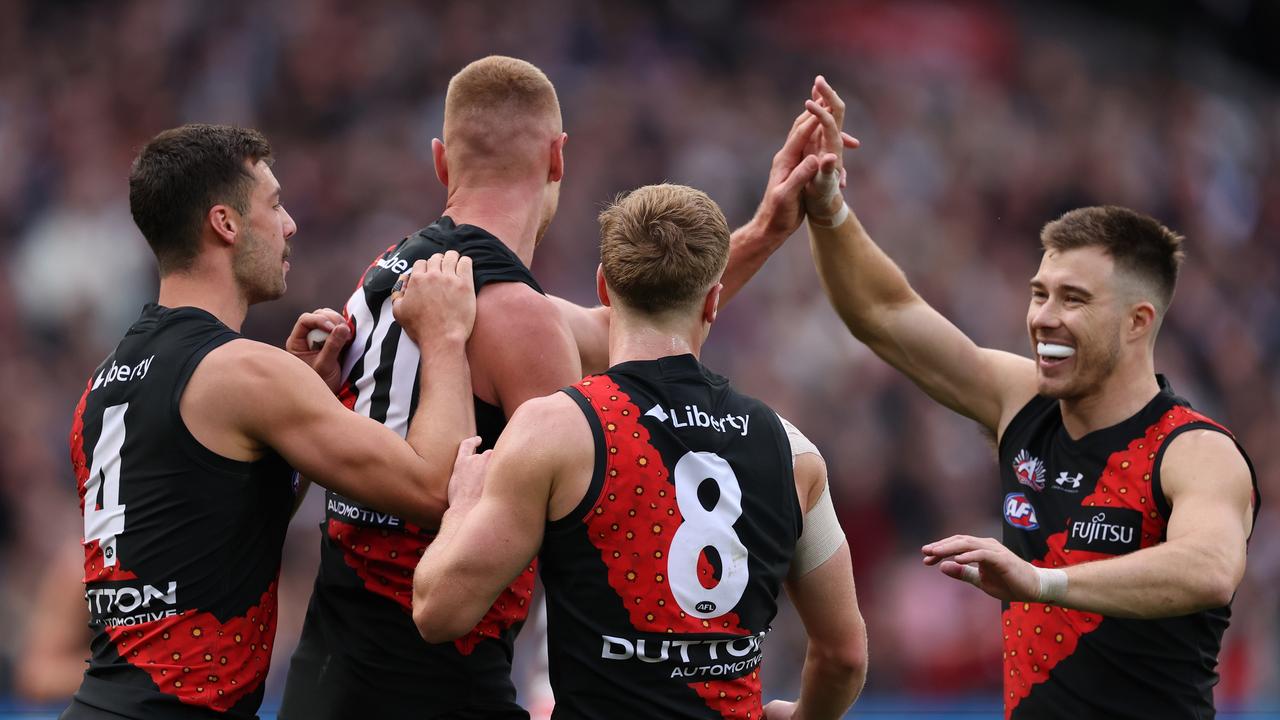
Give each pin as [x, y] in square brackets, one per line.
[182, 545]
[663, 582]
[360, 651]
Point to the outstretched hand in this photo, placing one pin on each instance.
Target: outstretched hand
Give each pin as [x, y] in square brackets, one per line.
[796, 165]
[823, 200]
[987, 564]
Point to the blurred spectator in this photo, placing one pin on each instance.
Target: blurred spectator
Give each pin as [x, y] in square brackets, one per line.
[980, 121]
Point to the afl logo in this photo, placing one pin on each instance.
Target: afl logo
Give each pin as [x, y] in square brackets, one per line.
[1029, 470]
[1019, 513]
[705, 606]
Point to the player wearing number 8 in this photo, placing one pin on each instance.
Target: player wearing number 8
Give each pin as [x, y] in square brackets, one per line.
[670, 509]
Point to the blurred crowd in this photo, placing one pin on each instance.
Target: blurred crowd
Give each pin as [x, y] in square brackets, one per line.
[980, 121]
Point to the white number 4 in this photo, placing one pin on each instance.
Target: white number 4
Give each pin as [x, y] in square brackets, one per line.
[704, 528]
[106, 522]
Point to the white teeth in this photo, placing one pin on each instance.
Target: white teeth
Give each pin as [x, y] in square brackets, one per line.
[1053, 350]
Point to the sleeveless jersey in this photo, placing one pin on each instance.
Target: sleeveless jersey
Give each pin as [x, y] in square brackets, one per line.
[359, 628]
[662, 584]
[1071, 501]
[182, 546]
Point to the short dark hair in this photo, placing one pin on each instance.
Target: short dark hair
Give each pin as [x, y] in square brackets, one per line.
[180, 174]
[662, 246]
[1137, 243]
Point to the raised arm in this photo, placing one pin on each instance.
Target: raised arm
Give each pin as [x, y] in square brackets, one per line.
[873, 298]
[1210, 491]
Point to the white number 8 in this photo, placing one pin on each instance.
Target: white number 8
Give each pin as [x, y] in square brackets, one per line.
[704, 528]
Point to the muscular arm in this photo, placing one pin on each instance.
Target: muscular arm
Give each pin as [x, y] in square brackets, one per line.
[254, 396]
[485, 542]
[873, 298]
[1209, 487]
[521, 348]
[1199, 565]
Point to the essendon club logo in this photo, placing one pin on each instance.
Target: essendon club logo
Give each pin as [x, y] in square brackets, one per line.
[1113, 531]
[1029, 470]
[1019, 513]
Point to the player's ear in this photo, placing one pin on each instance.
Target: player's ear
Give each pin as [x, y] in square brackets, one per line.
[1142, 320]
[557, 158]
[225, 223]
[711, 304]
[602, 287]
[442, 164]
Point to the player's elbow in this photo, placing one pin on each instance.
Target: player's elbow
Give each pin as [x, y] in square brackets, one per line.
[843, 660]
[1218, 586]
[436, 619]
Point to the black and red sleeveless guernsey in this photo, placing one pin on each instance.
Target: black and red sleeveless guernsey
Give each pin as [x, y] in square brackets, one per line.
[1071, 501]
[360, 654]
[182, 546]
[662, 584]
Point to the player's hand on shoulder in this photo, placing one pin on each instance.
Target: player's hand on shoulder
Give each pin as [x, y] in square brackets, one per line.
[468, 473]
[318, 339]
[437, 299]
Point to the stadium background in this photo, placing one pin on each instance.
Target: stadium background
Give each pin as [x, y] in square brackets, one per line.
[979, 120]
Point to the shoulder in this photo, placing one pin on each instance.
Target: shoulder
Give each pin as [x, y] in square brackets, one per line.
[521, 338]
[1205, 462]
[507, 304]
[548, 416]
[245, 366]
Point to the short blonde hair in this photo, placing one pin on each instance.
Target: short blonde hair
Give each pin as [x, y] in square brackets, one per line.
[662, 247]
[497, 106]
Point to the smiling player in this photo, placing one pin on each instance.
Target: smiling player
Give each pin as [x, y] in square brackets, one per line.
[1126, 511]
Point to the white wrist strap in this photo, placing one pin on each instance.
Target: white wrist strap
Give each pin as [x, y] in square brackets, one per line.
[828, 186]
[1053, 582]
[1053, 585]
[837, 221]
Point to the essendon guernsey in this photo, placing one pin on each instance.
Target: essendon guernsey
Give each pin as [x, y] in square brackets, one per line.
[360, 653]
[1070, 501]
[182, 546]
[662, 583]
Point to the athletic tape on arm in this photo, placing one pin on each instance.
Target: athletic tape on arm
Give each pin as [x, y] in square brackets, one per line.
[828, 184]
[821, 536]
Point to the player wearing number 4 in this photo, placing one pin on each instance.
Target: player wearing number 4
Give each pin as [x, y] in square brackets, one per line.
[664, 503]
[1126, 512]
[186, 437]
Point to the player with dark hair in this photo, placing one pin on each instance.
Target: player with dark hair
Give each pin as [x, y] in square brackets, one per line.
[1126, 512]
[501, 160]
[186, 437]
[664, 505]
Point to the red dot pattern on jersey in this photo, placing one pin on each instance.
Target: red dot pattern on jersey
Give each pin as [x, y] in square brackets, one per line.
[384, 559]
[637, 478]
[1037, 636]
[200, 660]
